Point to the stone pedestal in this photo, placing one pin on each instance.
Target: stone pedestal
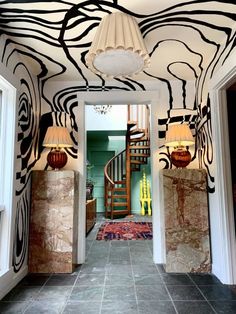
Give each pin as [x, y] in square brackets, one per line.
[186, 220]
[53, 222]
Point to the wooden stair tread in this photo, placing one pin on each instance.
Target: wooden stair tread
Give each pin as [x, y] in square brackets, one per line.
[141, 140]
[120, 182]
[138, 162]
[119, 196]
[139, 147]
[139, 155]
[119, 189]
[136, 131]
[131, 123]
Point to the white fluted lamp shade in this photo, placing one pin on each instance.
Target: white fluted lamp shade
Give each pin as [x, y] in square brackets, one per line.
[179, 136]
[118, 48]
[57, 137]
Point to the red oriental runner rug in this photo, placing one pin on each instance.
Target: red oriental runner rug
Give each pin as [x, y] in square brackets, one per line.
[128, 230]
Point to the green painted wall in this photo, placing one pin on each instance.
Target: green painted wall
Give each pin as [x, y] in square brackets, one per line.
[99, 151]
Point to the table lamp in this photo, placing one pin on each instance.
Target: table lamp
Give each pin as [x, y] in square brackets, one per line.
[57, 138]
[179, 136]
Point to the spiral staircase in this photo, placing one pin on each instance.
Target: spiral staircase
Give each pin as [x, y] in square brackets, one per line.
[118, 170]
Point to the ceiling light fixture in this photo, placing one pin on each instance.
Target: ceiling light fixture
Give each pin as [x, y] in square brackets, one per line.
[118, 48]
[102, 109]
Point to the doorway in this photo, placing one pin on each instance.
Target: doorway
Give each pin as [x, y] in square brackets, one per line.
[112, 135]
[121, 97]
[221, 202]
[231, 113]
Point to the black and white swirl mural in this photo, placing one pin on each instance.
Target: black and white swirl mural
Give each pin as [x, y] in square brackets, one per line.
[46, 41]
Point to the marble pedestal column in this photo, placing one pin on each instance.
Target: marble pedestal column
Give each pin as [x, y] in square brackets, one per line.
[53, 221]
[186, 220]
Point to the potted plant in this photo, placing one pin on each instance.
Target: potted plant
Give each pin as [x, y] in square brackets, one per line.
[89, 182]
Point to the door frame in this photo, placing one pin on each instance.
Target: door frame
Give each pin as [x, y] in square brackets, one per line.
[115, 98]
[221, 207]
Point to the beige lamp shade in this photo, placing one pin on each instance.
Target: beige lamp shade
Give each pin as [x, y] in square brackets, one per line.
[179, 135]
[57, 136]
[118, 48]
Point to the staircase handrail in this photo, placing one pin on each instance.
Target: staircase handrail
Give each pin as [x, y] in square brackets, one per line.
[107, 166]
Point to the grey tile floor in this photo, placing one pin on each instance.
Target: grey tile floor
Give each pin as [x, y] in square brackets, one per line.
[120, 277]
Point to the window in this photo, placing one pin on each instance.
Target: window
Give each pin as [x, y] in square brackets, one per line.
[7, 143]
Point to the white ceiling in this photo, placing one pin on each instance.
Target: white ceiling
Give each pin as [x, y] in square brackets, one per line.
[181, 37]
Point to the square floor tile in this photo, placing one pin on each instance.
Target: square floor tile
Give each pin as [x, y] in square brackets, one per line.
[122, 250]
[61, 280]
[144, 269]
[119, 262]
[141, 260]
[13, 307]
[156, 307]
[181, 293]
[82, 307]
[217, 292]
[96, 260]
[193, 307]
[120, 259]
[45, 307]
[137, 243]
[119, 293]
[22, 293]
[148, 279]
[117, 269]
[54, 292]
[119, 280]
[137, 250]
[173, 279]
[118, 243]
[100, 244]
[224, 307]
[95, 263]
[34, 280]
[87, 293]
[119, 307]
[90, 280]
[100, 254]
[205, 279]
[88, 269]
[154, 292]
[105, 249]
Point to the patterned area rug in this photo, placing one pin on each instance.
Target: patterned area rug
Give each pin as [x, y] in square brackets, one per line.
[128, 230]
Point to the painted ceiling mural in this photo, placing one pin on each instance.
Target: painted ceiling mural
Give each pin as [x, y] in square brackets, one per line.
[46, 41]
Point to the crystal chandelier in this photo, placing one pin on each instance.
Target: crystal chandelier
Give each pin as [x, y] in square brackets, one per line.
[102, 109]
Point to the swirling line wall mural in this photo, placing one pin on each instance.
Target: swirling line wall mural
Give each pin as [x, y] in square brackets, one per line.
[47, 41]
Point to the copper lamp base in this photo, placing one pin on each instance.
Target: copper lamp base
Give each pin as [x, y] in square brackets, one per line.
[180, 158]
[57, 158]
